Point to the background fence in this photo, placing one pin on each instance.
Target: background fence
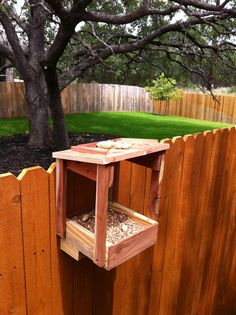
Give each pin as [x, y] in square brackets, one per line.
[79, 98]
[200, 106]
[191, 270]
[86, 97]
[90, 97]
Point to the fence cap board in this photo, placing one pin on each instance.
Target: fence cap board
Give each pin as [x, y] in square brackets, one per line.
[92, 154]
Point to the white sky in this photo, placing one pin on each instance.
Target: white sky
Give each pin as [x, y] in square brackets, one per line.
[19, 5]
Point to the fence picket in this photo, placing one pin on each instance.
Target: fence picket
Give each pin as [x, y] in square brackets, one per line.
[122, 271]
[136, 202]
[212, 213]
[186, 187]
[225, 228]
[12, 281]
[62, 276]
[138, 285]
[189, 272]
[165, 247]
[204, 214]
[36, 237]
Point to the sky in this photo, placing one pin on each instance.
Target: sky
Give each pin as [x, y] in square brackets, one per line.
[19, 5]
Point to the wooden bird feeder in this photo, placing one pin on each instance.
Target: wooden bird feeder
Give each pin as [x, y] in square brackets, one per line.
[97, 162]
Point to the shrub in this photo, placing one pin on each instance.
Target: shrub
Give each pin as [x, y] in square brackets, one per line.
[232, 90]
[163, 88]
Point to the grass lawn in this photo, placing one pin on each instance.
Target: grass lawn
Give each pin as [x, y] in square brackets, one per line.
[138, 125]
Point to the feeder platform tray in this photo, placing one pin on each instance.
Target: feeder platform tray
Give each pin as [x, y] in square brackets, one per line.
[90, 153]
[81, 240]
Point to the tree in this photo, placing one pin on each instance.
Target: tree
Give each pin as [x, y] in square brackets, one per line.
[163, 88]
[52, 42]
[186, 57]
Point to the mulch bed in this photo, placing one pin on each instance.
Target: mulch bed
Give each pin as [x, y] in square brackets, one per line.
[15, 155]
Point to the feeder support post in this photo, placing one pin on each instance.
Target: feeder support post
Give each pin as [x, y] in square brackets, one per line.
[105, 175]
[61, 196]
[155, 190]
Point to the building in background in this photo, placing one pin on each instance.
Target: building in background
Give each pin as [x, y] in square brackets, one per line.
[7, 74]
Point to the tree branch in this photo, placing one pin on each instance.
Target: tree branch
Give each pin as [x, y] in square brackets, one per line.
[6, 66]
[58, 9]
[11, 12]
[7, 52]
[21, 61]
[206, 6]
[125, 48]
[141, 12]
[69, 21]
[64, 14]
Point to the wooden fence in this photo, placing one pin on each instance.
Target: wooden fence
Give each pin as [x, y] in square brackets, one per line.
[79, 98]
[83, 97]
[191, 270]
[200, 106]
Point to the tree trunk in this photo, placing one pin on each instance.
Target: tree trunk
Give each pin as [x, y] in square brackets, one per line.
[42, 96]
[38, 115]
[60, 135]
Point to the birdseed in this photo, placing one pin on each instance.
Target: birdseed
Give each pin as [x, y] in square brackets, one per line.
[119, 225]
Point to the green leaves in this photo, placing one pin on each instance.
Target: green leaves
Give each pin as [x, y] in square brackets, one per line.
[163, 88]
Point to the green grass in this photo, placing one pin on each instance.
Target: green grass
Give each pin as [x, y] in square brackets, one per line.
[13, 126]
[139, 125]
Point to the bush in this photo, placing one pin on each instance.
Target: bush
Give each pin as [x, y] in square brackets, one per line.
[163, 88]
[232, 90]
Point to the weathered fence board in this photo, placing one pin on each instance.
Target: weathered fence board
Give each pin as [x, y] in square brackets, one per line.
[200, 106]
[79, 98]
[191, 269]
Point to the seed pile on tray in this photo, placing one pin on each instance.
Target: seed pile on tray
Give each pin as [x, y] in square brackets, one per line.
[114, 145]
[119, 225]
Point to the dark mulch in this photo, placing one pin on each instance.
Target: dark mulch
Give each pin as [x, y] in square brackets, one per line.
[15, 155]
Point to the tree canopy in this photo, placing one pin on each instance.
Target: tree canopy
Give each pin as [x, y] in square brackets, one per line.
[52, 42]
